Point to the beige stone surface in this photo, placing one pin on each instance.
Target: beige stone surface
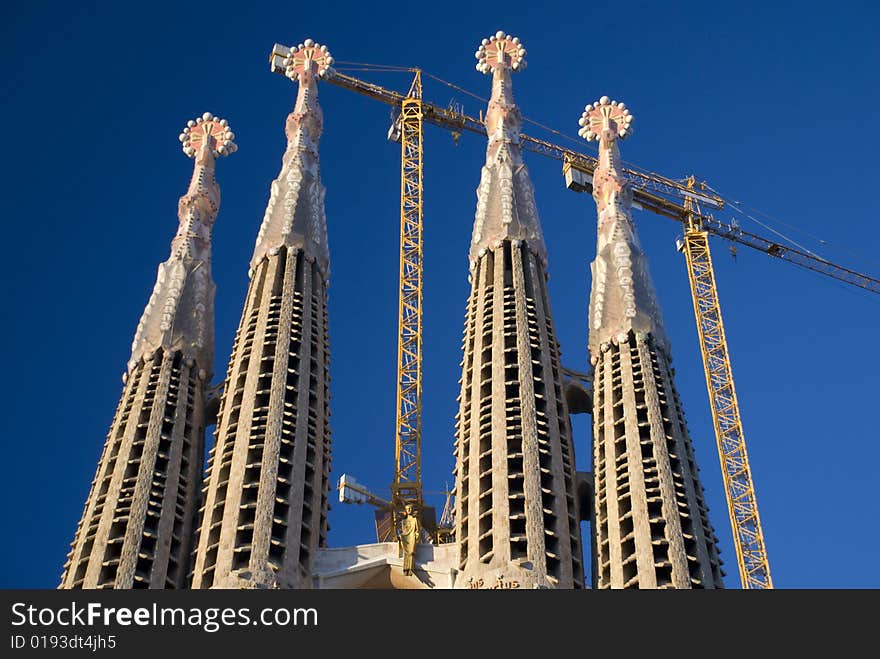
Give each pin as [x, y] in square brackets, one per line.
[516, 514]
[266, 496]
[137, 526]
[651, 524]
[378, 565]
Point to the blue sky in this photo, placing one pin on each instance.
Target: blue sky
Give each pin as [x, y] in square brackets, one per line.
[770, 102]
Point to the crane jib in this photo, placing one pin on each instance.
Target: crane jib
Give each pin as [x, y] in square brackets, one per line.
[652, 192]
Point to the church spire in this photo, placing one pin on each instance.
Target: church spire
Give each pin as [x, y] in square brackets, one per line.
[295, 213]
[651, 523]
[136, 530]
[267, 489]
[505, 198]
[180, 312]
[516, 515]
[623, 297]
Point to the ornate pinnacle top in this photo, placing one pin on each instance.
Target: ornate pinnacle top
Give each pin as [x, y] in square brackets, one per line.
[505, 199]
[308, 57]
[180, 312]
[295, 212]
[500, 51]
[623, 298]
[605, 120]
[204, 139]
[207, 130]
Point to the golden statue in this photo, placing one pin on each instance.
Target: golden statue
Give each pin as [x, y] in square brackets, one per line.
[408, 537]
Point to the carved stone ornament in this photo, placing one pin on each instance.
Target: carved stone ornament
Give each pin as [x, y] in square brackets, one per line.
[623, 296]
[505, 197]
[180, 312]
[295, 213]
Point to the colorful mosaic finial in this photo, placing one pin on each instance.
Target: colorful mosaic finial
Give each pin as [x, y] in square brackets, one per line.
[211, 128]
[500, 50]
[605, 120]
[306, 55]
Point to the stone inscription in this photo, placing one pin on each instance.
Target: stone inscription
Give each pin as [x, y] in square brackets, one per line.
[499, 584]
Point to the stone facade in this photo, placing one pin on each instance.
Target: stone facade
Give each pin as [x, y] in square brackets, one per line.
[137, 527]
[519, 501]
[380, 566]
[651, 522]
[265, 512]
[516, 515]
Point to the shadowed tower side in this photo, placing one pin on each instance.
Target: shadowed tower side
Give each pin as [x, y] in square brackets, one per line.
[265, 512]
[652, 525]
[137, 525]
[516, 520]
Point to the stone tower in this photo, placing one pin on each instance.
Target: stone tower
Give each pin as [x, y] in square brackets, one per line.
[652, 528]
[265, 510]
[516, 518]
[137, 525]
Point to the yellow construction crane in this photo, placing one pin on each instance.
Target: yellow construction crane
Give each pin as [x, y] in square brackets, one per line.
[407, 486]
[652, 192]
[751, 554]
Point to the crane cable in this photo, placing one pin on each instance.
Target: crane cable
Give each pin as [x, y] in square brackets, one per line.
[738, 205]
[734, 205]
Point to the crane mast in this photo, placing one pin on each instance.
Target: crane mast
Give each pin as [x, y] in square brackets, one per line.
[751, 553]
[407, 486]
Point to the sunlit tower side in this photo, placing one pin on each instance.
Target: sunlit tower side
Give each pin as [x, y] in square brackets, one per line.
[516, 519]
[652, 527]
[266, 496]
[137, 527]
